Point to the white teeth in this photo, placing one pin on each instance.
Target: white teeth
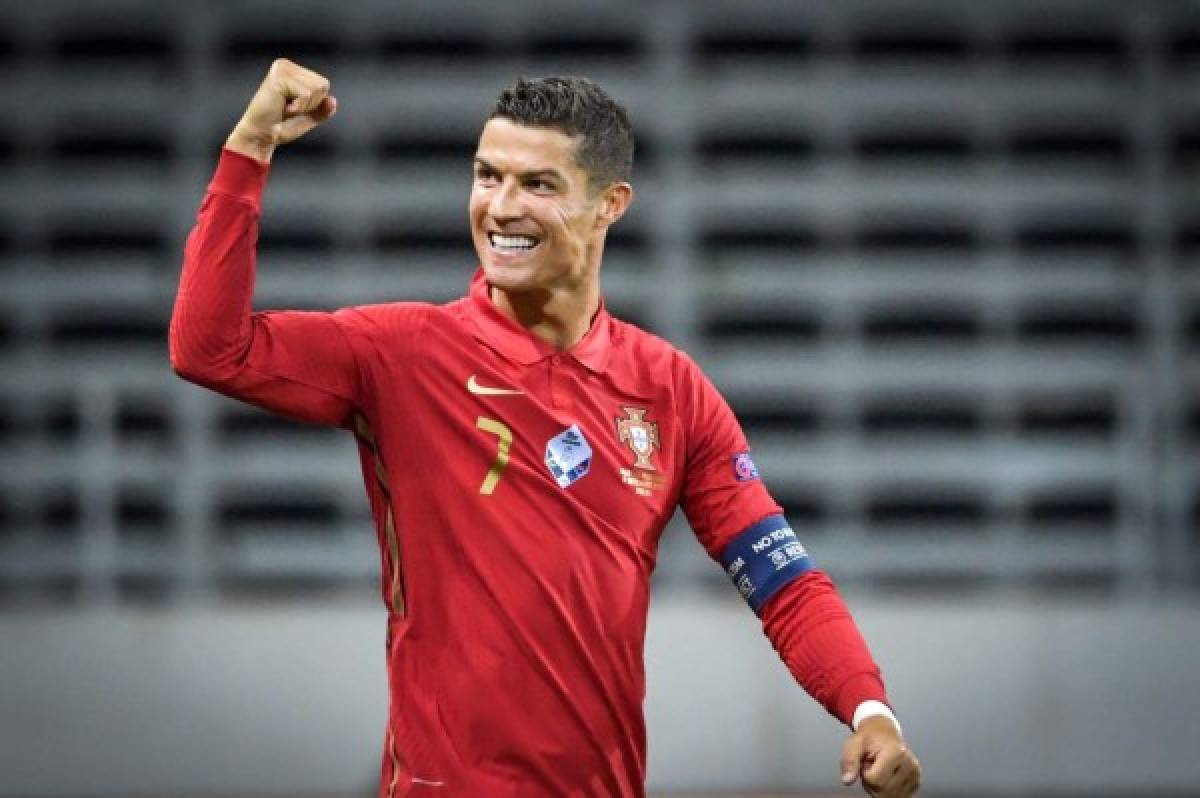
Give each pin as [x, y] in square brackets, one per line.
[512, 242]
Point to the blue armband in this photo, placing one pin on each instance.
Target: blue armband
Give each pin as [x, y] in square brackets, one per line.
[763, 559]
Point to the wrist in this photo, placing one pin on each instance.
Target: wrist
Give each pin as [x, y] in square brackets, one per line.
[252, 144]
[240, 176]
[874, 709]
[861, 687]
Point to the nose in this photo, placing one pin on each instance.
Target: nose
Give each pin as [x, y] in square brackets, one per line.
[505, 202]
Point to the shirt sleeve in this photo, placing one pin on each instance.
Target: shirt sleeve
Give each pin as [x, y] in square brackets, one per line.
[722, 493]
[300, 364]
[807, 622]
[815, 635]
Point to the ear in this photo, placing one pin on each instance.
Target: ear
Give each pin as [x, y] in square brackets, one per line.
[614, 201]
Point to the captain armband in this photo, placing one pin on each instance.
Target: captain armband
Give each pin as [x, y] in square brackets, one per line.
[763, 559]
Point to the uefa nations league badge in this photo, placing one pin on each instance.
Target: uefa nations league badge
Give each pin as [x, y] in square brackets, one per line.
[568, 456]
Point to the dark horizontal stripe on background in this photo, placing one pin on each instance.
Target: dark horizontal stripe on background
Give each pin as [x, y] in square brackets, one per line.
[944, 235]
[898, 324]
[1084, 323]
[1091, 47]
[748, 46]
[755, 145]
[1048, 236]
[290, 508]
[911, 45]
[68, 240]
[916, 506]
[304, 49]
[1059, 414]
[760, 326]
[108, 327]
[1096, 506]
[118, 46]
[921, 415]
[899, 144]
[1091, 144]
[125, 145]
[584, 46]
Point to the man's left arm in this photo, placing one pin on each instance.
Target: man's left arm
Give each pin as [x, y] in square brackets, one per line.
[807, 622]
[815, 635]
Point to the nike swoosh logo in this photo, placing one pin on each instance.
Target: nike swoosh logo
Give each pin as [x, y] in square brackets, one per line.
[484, 390]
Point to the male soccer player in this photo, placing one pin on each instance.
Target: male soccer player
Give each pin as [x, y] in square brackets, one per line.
[522, 451]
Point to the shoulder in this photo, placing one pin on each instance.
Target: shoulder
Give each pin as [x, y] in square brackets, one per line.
[385, 319]
[400, 326]
[455, 309]
[654, 359]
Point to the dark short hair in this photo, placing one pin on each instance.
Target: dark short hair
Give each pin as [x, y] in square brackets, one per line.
[577, 107]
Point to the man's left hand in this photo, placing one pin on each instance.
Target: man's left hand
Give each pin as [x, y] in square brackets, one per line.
[877, 754]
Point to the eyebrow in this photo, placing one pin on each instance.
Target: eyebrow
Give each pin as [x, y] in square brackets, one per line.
[554, 173]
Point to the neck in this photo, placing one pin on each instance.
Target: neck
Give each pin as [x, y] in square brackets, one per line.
[561, 319]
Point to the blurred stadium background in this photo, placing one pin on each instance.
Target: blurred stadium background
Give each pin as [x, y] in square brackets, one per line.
[941, 257]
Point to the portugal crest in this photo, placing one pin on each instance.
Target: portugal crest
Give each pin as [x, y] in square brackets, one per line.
[640, 435]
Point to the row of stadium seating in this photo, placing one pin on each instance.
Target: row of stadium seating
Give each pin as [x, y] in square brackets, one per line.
[942, 260]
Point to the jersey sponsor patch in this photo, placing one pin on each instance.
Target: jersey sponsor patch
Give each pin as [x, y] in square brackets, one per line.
[568, 456]
[763, 559]
[743, 467]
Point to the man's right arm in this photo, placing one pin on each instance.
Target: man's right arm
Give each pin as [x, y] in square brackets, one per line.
[300, 364]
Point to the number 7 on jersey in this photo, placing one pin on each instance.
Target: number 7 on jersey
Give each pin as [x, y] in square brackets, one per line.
[505, 436]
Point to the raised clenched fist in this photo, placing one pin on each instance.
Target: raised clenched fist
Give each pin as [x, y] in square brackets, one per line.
[290, 102]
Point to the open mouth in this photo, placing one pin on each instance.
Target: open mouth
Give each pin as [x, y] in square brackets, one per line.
[512, 244]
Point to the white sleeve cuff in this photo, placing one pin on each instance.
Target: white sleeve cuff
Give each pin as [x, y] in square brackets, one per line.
[868, 709]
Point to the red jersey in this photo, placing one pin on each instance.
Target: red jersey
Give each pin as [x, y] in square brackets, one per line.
[519, 493]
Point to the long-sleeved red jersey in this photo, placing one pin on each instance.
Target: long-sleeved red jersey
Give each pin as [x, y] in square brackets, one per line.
[519, 493]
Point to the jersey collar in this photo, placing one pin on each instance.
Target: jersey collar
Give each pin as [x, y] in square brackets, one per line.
[515, 342]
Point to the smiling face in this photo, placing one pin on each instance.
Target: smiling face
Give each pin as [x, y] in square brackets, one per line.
[535, 223]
